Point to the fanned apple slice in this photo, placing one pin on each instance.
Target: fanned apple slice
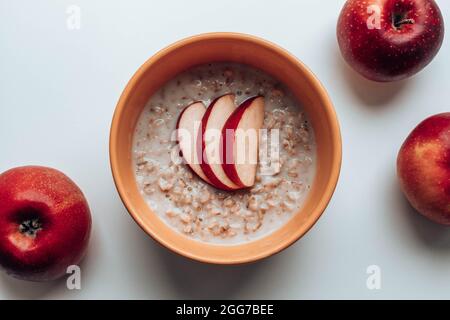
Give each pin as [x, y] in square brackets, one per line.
[210, 137]
[187, 131]
[241, 142]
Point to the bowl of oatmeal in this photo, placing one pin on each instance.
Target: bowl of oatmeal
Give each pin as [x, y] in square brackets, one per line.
[233, 211]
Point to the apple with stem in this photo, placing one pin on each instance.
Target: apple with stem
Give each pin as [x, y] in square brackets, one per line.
[389, 40]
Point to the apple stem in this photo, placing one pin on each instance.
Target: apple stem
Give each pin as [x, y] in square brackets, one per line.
[30, 227]
[399, 21]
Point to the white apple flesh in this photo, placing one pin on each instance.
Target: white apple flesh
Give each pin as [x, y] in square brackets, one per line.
[210, 137]
[241, 142]
[187, 131]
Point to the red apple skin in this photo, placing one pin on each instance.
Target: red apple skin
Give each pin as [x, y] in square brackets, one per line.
[50, 197]
[213, 179]
[390, 53]
[423, 168]
[226, 151]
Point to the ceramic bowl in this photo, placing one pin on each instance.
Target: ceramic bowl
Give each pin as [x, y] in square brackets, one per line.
[272, 59]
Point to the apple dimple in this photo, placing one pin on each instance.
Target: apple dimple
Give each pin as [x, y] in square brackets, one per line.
[399, 19]
[29, 221]
[400, 13]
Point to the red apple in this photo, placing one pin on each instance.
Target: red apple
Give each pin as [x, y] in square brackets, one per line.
[388, 40]
[45, 223]
[423, 168]
[187, 132]
[210, 137]
[240, 144]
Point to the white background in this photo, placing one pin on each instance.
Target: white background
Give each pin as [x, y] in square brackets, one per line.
[58, 91]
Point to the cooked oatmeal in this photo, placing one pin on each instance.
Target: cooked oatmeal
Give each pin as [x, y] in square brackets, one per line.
[198, 210]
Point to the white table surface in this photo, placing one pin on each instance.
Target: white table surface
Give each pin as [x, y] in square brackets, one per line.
[58, 91]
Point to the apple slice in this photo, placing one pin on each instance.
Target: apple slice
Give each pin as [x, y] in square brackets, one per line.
[210, 138]
[187, 131]
[241, 142]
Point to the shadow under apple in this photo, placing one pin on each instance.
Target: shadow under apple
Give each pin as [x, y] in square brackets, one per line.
[29, 290]
[370, 93]
[430, 233]
[20, 289]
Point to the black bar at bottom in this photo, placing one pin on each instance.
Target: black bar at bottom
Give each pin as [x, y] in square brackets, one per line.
[226, 309]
